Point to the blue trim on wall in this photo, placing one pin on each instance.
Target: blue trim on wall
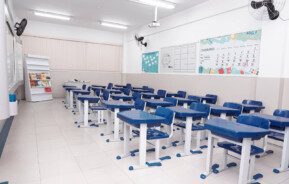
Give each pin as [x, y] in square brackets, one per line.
[4, 133]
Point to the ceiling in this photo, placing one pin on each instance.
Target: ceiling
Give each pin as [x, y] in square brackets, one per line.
[87, 13]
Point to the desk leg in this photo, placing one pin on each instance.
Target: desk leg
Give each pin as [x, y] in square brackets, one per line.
[85, 114]
[251, 111]
[285, 152]
[70, 99]
[245, 161]
[116, 125]
[223, 116]
[81, 113]
[204, 101]
[209, 154]
[66, 97]
[185, 105]
[109, 123]
[188, 135]
[142, 145]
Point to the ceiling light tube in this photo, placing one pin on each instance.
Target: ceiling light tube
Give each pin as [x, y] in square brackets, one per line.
[51, 15]
[158, 3]
[113, 25]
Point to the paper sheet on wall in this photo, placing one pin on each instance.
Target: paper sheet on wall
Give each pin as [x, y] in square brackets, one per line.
[150, 62]
[178, 59]
[231, 54]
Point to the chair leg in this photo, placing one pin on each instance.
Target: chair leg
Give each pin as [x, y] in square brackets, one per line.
[157, 150]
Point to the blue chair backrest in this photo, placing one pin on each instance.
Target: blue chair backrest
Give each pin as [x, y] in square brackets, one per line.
[282, 113]
[182, 94]
[172, 100]
[97, 91]
[83, 86]
[126, 91]
[253, 121]
[105, 95]
[139, 104]
[234, 106]
[128, 85]
[252, 102]
[145, 87]
[165, 113]
[110, 85]
[151, 90]
[136, 96]
[213, 100]
[195, 98]
[161, 93]
[197, 106]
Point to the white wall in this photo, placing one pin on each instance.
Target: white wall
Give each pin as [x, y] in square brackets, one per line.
[58, 31]
[210, 19]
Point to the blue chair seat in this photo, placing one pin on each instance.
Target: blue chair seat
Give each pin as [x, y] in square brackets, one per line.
[97, 107]
[194, 127]
[276, 136]
[238, 149]
[153, 134]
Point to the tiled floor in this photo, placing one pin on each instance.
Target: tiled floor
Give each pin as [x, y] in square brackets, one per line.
[44, 146]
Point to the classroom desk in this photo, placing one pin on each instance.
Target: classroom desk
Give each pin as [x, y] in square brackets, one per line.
[69, 91]
[236, 133]
[171, 94]
[83, 111]
[98, 86]
[122, 97]
[79, 92]
[252, 108]
[154, 103]
[137, 87]
[203, 99]
[141, 120]
[114, 91]
[280, 123]
[185, 102]
[115, 106]
[140, 90]
[223, 112]
[191, 116]
[149, 95]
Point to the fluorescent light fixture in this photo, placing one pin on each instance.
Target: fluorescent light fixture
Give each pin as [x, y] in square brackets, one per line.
[113, 25]
[158, 3]
[51, 15]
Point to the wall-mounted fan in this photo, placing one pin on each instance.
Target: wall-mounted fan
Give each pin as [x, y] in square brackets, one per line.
[266, 9]
[20, 27]
[140, 40]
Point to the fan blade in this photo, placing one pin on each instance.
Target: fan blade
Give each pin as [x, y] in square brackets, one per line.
[273, 13]
[256, 5]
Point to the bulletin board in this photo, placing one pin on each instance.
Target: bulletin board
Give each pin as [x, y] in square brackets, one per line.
[178, 59]
[150, 62]
[231, 54]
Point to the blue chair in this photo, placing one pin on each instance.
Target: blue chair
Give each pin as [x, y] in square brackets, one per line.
[126, 91]
[97, 91]
[139, 104]
[136, 96]
[145, 87]
[105, 95]
[172, 100]
[236, 148]
[161, 93]
[88, 88]
[150, 90]
[194, 98]
[182, 94]
[275, 134]
[213, 100]
[179, 122]
[154, 133]
[83, 87]
[129, 86]
[109, 86]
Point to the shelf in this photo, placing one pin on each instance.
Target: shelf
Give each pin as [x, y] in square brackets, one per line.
[41, 93]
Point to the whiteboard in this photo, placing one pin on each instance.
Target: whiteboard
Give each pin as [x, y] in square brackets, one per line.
[231, 54]
[178, 59]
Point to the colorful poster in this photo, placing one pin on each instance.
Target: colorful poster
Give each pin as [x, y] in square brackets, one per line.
[178, 59]
[231, 54]
[150, 62]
